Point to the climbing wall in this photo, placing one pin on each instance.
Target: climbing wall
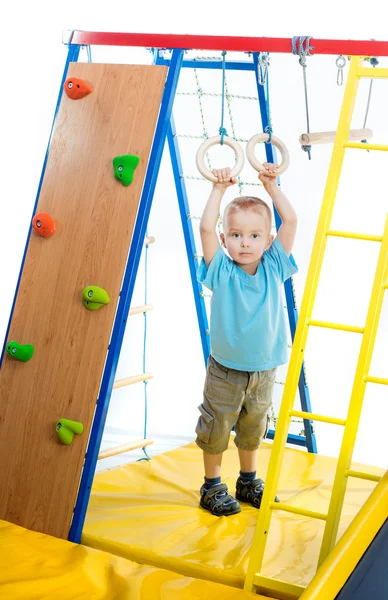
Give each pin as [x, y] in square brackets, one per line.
[94, 216]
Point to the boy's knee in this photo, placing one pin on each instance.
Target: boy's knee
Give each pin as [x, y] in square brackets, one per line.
[249, 435]
[212, 430]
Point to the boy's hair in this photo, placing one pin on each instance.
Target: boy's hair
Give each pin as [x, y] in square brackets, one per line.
[246, 203]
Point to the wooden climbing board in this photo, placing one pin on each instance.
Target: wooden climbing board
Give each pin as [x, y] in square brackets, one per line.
[94, 216]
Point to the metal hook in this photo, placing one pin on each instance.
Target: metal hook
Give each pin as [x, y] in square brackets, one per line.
[340, 63]
[263, 65]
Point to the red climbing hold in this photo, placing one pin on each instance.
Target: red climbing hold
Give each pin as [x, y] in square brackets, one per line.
[43, 224]
[77, 88]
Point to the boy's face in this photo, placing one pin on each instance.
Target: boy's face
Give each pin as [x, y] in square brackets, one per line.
[247, 235]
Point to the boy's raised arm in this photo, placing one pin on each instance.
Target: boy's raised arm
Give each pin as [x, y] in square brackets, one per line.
[287, 230]
[208, 224]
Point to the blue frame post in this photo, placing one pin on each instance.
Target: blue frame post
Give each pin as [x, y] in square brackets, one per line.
[189, 238]
[308, 439]
[126, 296]
[72, 56]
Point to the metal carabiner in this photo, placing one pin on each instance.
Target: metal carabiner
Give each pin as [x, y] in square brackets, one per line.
[340, 63]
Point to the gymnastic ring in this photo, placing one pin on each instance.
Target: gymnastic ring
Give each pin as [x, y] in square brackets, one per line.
[263, 137]
[213, 141]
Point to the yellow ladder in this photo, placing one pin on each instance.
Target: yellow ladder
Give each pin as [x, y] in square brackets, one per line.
[254, 580]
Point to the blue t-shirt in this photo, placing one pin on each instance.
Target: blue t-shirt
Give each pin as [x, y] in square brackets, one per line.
[247, 323]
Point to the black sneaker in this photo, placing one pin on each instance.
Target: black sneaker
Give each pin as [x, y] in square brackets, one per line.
[251, 491]
[219, 501]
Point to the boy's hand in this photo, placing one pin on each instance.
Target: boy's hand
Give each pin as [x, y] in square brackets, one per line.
[268, 175]
[224, 178]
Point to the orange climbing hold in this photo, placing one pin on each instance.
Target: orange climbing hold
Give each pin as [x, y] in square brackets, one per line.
[77, 88]
[43, 224]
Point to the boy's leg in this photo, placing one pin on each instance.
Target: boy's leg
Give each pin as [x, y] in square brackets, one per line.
[212, 464]
[251, 429]
[248, 460]
[214, 493]
[223, 397]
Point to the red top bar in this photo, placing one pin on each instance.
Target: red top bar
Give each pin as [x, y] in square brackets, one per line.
[239, 44]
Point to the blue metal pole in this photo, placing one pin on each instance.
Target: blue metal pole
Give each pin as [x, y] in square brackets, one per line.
[295, 440]
[231, 65]
[126, 296]
[189, 238]
[292, 309]
[72, 56]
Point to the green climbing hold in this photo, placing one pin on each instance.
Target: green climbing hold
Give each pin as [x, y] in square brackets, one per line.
[22, 352]
[94, 297]
[66, 430]
[124, 168]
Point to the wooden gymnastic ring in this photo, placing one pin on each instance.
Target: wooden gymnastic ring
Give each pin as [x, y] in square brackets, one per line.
[213, 141]
[263, 137]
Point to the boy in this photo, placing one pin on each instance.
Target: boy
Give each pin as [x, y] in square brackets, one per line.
[248, 333]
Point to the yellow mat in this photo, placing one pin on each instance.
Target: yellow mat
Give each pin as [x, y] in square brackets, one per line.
[35, 566]
[148, 512]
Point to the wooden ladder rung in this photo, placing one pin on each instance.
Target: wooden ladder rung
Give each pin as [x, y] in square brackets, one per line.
[137, 310]
[124, 448]
[149, 240]
[131, 380]
[328, 137]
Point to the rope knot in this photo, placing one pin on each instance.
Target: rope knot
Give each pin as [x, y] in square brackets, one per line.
[308, 150]
[222, 131]
[301, 45]
[268, 130]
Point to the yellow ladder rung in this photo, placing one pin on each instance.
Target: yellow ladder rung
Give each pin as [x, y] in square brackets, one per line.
[361, 146]
[356, 236]
[314, 417]
[338, 326]
[372, 73]
[361, 475]
[269, 585]
[298, 511]
[376, 380]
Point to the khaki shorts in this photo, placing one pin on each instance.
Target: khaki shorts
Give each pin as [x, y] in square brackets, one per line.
[232, 398]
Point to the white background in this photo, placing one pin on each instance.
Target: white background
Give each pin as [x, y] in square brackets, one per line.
[32, 66]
